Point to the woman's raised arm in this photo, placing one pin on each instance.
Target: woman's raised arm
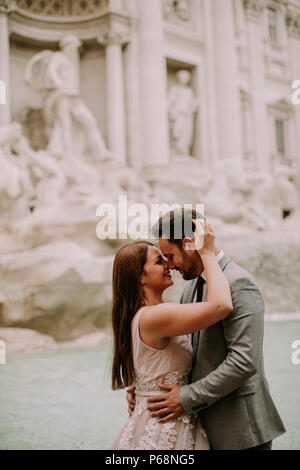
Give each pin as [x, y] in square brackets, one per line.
[171, 319]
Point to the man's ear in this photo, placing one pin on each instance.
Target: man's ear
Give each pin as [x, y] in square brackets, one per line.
[188, 245]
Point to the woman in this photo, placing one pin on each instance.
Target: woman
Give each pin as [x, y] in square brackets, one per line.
[150, 339]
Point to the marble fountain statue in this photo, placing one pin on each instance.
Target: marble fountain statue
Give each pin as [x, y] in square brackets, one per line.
[55, 273]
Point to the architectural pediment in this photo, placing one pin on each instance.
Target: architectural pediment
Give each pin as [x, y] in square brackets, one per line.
[282, 105]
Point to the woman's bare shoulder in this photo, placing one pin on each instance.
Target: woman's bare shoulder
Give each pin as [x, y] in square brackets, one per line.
[149, 327]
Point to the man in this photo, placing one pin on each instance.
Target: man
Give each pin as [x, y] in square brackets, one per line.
[228, 388]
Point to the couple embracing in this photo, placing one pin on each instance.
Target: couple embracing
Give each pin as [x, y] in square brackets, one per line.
[195, 370]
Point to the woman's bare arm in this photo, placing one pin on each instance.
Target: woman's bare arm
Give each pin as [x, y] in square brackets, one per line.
[171, 319]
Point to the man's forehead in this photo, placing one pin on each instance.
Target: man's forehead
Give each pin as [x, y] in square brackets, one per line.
[165, 245]
[153, 252]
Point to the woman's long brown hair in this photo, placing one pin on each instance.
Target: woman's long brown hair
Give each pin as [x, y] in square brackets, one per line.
[127, 299]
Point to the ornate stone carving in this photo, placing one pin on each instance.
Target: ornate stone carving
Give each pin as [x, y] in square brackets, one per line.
[177, 10]
[254, 9]
[112, 35]
[62, 7]
[16, 189]
[293, 24]
[252, 198]
[6, 6]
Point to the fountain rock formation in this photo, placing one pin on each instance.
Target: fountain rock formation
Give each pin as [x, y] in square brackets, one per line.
[55, 272]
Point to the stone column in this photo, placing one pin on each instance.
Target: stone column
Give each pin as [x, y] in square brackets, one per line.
[153, 80]
[113, 41]
[4, 60]
[293, 30]
[132, 92]
[228, 104]
[210, 85]
[261, 148]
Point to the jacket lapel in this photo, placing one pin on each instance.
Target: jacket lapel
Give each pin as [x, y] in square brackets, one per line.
[224, 261]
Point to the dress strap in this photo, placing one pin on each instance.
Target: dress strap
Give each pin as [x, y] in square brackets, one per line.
[135, 329]
[137, 319]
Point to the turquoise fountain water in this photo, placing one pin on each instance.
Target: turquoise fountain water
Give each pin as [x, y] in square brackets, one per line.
[63, 400]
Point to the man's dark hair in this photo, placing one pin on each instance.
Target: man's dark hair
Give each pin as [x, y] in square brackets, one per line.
[175, 225]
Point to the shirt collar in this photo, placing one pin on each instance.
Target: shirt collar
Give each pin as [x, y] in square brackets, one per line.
[219, 257]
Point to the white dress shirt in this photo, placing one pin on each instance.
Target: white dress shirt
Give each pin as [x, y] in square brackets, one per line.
[203, 275]
[219, 257]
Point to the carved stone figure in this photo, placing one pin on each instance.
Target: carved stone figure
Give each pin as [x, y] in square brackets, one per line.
[47, 173]
[72, 128]
[287, 192]
[179, 10]
[16, 188]
[182, 105]
[238, 196]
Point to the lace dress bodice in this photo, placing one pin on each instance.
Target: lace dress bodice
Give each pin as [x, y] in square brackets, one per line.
[171, 365]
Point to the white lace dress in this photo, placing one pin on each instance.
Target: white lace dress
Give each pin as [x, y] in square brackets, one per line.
[171, 365]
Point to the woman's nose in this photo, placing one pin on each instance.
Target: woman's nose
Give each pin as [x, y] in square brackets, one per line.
[166, 266]
[170, 264]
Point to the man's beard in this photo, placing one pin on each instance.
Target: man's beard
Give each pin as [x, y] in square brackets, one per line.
[187, 276]
[192, 271]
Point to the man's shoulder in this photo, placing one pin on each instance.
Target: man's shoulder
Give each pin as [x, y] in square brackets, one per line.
[234, 272]
[240, 280]
[237, 277]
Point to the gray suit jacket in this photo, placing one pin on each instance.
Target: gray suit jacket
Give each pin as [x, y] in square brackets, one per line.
[228, 386]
